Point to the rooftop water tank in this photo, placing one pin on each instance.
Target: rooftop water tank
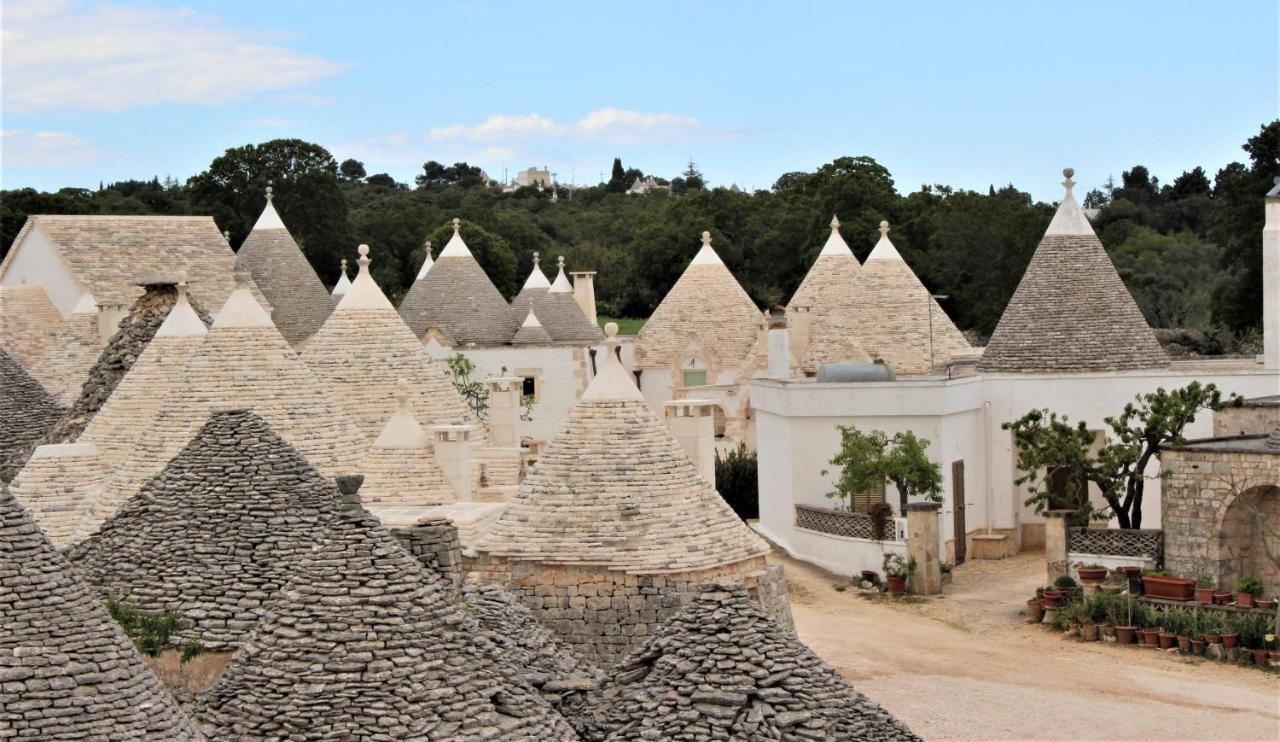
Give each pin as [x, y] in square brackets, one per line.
[847, 372]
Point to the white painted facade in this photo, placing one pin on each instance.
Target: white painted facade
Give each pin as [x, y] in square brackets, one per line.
[961, 417]
[36, 262]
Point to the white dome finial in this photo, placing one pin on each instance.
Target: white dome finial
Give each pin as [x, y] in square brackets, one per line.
[884, 228]
[560, 262]
[270, 194]
[835, 222]
[537, 259]
[226, 235]
[611, 332]
[344, 266]
[457, 223]
[1068, 172]
[706, 238]
[427, 245]
[363, 260]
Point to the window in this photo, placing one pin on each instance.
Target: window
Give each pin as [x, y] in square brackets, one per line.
[695, 378]
[530, 386]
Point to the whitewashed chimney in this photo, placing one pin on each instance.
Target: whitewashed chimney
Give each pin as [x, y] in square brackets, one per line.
[584, 293]
[504, 410]
[779, 344]
[692, 422]
[453, 455]
[1271, 280]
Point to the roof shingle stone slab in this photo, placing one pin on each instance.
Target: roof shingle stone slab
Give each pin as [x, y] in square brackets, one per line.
[28, 322]
[56, 485]
[65, 365]
[722, 668]
[27, 413]
[364, 643]
[456, 297]
[69, 672]
[556, 308]
[1071, 310]
[299, 301]
[216, 533]
[707, 304]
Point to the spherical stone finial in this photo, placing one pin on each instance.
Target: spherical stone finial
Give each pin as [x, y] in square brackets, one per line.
[537, 259]
[363, 250]
[560, 262]
[457, 223]
[884, 228]
[611, 330]
[428, 246]
[270, 194]
[226, 235]
[835, 222]
[706, 238]
[1068, 172]
[402, 392]
[1277, 180]
[344, 265]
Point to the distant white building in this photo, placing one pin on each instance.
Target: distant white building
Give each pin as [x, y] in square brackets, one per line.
[645, 185]
[534, 177]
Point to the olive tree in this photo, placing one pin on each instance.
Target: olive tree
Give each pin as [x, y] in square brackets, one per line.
[868, 460]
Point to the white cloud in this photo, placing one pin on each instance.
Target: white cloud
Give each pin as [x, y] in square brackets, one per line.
[111, 57]
[606, 124]
[45, 149]
[270, 122]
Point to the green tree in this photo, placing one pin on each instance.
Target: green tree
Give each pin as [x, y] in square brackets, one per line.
[693, 178]
[491, 251]
[617, 178]
[352, 169]
[868, 460]
[1050, 446]
[1236, 225]
[304, 178]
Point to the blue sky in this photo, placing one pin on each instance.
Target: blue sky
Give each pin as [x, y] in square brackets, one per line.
[966, 94]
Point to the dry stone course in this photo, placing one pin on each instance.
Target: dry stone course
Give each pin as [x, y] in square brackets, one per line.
[65, 365]
[29, 322]
[27, 414]
[66, 670]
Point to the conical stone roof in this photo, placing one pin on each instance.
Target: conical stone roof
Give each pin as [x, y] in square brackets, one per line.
[158, 370]
[538, 656]
[299, 301]
[69, 672]
[900, 320]
[706, 304]
[344, 283]
[27, 413]
[64, 367]
[457, 298]
[557, 310]
[216, 533]
[531, 331]
[828, 286]
[616, 490]
[365, 643]
[243, 364]
[365, 347]
[722, 668]
[29, 322]
[400, 468]
[56, 486]
[136, 330]
[1071, 311]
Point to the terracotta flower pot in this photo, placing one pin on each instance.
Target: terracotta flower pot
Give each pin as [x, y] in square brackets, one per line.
[1266, 605]
[1150, 637]
[1259, 657]
[1184, 644]
[1222, 598]
[1169, 588]
[1167, 641]
[1244, 600]
[1035, 610]
[897, 585]
[1051, 599]
[1092, 574]
[1213, 638]
[1230, 640]
[1204, 595]
[1089, 632]
[1126, 634]
[1197, 647]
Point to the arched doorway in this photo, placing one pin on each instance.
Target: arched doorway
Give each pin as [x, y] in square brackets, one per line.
[1249, 539]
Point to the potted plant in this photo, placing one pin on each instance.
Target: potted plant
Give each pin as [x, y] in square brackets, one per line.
[1248, 588]
[1091, 573]
[1132, 576]
[1035, 609]
[1067, 586]
[1222, 597]
[1163, 585]
[1051, 598]
[1264, 604]
[1230, 633]
[896, 571]
[1204, 590]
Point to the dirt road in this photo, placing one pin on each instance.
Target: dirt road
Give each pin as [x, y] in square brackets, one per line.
[968, 666]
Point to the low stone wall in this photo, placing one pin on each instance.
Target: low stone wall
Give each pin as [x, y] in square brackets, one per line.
[1258, 416]
[434, 542]
[605, 615]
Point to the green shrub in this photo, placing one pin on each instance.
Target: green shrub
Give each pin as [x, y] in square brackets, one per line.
[151, 633]
[1064, 582]
[738, 481]
[1251, 585]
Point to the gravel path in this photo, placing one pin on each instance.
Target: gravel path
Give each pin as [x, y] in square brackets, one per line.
[968, 666]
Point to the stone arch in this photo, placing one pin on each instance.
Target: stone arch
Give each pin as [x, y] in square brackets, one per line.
[1246, 532]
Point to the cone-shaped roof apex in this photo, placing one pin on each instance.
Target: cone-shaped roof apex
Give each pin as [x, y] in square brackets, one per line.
[884, 249]
[182, 321]
[835, 244]
[364, 292]
[612, 382]
[561, 285]
[537, 279]
[1069, 218]
[427, 261]
[241, 309]
[706, 254]
[455, 247]
[344, 282]
[269, 218]
[86, 305]
[402, 431]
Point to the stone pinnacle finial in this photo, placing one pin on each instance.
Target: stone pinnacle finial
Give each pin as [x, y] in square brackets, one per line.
[1068, 172]
[182, 283]
[270, 194]
[884, 229]
[344, 266]
[537, 260]
[363, 260]
[457, 223]
[835, 222]
[428, 246]
[560, 262]
[242, 279]
[706, 238]
[611, 335]
[402, 392]
[226, 235]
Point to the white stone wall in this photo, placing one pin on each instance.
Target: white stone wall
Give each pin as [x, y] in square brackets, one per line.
[36, 262]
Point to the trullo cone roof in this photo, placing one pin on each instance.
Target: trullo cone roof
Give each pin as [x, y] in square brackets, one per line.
[27, 412]
[827, 294]
[706, 304]
[365, 643]
[400, 468]
[243, 364]
[57, 485]
[217, 533]
[69, 671]
[65, 365]
[1071, 311]
[364, 348]
[616, 490]
[722, 668]
[900, 321]
[299, 301]
[555, 307]
[28, 322]
[456, 297]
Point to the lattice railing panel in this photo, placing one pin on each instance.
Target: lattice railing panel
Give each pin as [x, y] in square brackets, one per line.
[837, 522]
[1130, 542]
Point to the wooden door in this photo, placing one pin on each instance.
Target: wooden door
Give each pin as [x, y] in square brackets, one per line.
[957, 507]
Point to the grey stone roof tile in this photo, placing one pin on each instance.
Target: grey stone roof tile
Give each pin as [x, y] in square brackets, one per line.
[27, 413]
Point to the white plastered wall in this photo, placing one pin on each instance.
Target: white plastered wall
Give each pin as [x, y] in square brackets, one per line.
[35, 261]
